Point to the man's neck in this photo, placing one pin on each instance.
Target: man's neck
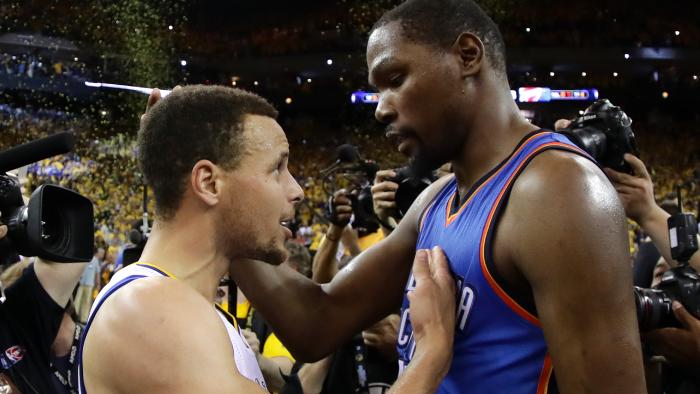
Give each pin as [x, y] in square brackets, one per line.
[494, 134]
[188, 253]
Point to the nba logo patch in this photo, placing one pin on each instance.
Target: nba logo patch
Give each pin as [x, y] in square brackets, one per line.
[14, 354]
[11, 356]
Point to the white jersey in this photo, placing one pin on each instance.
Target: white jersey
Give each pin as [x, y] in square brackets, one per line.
[243, 355]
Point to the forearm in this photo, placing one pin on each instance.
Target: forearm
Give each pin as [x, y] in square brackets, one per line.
[655, 224]
[313, 320]
[324, 266]
[58, 279]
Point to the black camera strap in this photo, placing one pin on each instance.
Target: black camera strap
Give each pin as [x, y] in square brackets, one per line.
[360, 362]
[65, 379]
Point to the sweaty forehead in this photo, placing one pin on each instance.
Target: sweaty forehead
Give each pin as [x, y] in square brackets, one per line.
[384, 45]
[263, 134]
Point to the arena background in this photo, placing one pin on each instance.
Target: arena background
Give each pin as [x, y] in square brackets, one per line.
[308, 59]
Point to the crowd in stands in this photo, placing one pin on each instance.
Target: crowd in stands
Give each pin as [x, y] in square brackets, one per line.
[105, 170]
[33, 66]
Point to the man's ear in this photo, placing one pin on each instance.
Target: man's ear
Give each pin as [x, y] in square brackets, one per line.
[470, 50]
[204, 182]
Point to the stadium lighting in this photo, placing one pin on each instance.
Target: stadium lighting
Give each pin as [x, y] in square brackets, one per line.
[183, 62]
[103, 113]
[527, 29]
[341, 79]
[75, 58]
[615, 74]
[677, 33]
[583, 74]
[308, 80]
[170, 27]
[664, 94]
[255, 83]
[695, 77]
[627, 55]
[329, 62]
[580, 112]
[288, 100]
[551, 73]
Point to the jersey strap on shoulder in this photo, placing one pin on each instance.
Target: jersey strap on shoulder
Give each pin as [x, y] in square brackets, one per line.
[112, 290]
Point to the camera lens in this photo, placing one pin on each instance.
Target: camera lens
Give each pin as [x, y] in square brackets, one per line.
[653, 309]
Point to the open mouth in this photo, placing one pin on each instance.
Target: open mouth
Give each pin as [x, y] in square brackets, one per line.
[286, 225]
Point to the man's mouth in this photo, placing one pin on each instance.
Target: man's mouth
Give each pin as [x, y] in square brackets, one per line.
[405, 142]
[286, 225]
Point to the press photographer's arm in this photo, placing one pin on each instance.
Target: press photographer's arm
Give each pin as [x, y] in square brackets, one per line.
[636, 191]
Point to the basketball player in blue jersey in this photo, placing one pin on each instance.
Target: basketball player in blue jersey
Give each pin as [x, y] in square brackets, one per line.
[216, 161]
[533, 230]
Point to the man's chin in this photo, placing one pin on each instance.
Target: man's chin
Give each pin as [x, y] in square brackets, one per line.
[422, 165]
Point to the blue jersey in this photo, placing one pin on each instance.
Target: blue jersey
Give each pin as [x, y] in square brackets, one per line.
[499, 345]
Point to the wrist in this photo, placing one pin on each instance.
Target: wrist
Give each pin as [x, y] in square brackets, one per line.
[653, 216]
[334, 233]
[435, 356]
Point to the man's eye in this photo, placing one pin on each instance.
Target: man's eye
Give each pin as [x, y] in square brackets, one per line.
[396, 80]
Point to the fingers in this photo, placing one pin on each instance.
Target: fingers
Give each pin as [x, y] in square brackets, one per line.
[561, 124]
[384, 186]
[384, 196]
[384, 175]
[622, 178]
[439, 266]
[385, 204]
[3, 231]
[421, 267]
[637, 166]
[683, 316]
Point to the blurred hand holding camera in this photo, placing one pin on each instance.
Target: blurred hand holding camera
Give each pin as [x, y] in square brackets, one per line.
[680, 346]
[636, 191]
[340, 210]
[384, 194]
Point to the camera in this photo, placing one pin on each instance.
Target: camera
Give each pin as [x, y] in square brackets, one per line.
[57, 224]
[681, 283]
[604, 132]
[410, 187]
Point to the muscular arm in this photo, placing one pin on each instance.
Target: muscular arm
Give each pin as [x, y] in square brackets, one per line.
[313, 320]
[143, 342]
[565, 231]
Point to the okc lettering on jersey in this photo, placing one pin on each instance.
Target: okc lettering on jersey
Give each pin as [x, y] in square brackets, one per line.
[466, 295]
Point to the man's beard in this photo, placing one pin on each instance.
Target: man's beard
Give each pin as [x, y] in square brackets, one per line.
[242, 244]
[422, 164]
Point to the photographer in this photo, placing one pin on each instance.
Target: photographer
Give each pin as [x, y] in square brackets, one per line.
[384, 196]
[636, 191]
[679, 346]
[31, 316]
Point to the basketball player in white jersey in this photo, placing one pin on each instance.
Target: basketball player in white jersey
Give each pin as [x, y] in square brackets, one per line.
[216, 161]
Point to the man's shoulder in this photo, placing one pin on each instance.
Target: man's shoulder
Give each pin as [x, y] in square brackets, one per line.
[151, 325]
[564, 177]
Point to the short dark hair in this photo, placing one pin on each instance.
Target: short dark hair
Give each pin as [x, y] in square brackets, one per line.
[440, 22]
[193, 123]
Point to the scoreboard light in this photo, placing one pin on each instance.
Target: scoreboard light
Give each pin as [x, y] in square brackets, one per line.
[543, 95]
[361, 97]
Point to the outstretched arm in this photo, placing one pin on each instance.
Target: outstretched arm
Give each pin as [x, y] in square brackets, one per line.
[313, 320]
